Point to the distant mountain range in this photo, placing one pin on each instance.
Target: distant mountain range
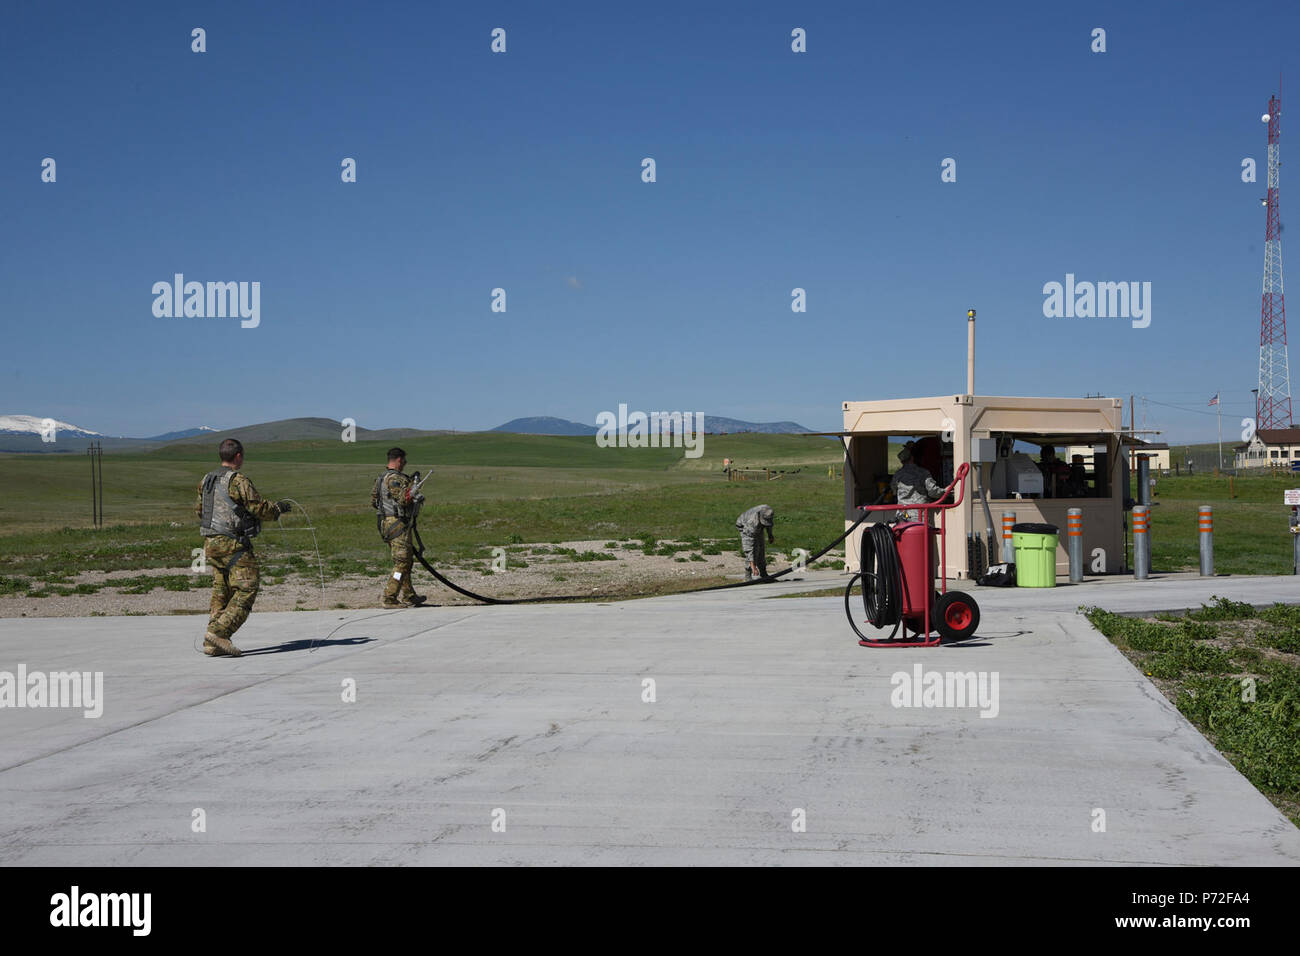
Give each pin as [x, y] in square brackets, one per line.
[29, 425]
[186, 433]
[544, 425]
[22, 433]
[713, 425]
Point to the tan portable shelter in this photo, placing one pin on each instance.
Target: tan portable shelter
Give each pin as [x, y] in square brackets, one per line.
[984, 430]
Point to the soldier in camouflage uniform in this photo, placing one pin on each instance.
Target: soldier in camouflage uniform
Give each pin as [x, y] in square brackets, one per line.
[230, 513]
[752, 524]
[391, 498]
[913, 485]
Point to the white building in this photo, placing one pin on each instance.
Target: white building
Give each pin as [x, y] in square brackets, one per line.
[1270, 448]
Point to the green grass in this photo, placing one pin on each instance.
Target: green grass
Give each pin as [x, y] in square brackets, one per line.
[1250, 529]
[494, 490]
[488, 490]
[1245, 701]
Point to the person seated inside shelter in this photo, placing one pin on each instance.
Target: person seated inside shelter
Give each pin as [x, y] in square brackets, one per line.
[1053, 470]
[1076, 485]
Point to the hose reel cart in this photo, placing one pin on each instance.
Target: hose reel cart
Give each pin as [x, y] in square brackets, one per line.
[897, 571]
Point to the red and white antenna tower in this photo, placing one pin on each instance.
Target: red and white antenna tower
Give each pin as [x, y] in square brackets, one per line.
[1273, 404]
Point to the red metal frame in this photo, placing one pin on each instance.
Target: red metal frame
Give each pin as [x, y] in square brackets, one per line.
[959, 478]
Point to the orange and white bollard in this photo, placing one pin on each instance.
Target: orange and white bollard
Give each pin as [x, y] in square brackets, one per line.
[1008, 546]
[1141, 542]
[1074, 543]
[1205, 519]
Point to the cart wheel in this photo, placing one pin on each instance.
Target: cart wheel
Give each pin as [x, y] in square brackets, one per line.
[958, 615]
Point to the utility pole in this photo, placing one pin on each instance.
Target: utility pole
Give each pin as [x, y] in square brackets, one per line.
[1219, 401]
[96, 454]
[1132, 431]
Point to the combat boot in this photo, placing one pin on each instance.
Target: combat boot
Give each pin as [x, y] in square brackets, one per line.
[215, 646]
[391, 602]
[413, 599]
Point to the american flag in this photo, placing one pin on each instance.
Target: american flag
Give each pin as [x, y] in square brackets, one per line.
[1215, 399]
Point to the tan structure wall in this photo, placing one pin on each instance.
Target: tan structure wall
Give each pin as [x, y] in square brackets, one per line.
[1099, 421]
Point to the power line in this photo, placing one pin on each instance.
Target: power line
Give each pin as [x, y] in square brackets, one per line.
[1199, 411]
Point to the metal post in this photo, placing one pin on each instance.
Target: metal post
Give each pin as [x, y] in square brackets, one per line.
[99, 456]
[1008, 547]
[95, 452]
[1141, 542]
[1205, 518]
[1074, 543]
[1295, 540]
[1144, 480]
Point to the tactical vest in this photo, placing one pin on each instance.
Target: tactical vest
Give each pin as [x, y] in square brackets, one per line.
[222, 515]
[383, 501]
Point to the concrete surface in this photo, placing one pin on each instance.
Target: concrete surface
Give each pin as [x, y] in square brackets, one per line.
[763, 708]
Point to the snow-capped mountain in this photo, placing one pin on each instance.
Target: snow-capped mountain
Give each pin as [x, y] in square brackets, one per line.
[31, 425]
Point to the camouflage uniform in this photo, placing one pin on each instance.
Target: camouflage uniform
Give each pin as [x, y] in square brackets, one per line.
[398, 532]
[914, 485]
[751, 525]
[234, 566]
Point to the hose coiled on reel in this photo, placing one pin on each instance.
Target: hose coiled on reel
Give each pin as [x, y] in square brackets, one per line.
[882, 582]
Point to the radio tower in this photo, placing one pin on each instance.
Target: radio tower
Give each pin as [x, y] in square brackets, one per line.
[1273, 408]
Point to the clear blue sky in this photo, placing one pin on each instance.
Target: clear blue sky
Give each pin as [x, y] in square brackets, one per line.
[775, 170]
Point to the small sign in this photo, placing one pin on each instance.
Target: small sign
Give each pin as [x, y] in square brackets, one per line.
[1291, 496]
[1295, 465]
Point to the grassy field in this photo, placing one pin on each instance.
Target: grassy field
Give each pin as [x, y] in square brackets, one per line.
[1251, 533]
[488, 490]
[493, 489]
[1234, 672]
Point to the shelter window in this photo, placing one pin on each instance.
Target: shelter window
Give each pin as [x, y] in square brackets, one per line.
[1050, 466]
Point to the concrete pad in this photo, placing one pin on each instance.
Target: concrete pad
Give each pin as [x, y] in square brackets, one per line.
[763, 708]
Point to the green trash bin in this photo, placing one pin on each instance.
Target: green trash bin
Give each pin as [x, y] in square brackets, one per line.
[1035, 546]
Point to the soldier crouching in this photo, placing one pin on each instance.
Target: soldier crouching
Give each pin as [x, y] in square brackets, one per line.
[752, 524]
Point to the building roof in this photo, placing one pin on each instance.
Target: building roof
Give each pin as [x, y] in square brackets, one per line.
[1279, 436]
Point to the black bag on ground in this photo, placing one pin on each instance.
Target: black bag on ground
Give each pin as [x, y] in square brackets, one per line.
[998, 576]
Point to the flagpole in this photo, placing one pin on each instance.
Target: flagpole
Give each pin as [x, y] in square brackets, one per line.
[1218, 400]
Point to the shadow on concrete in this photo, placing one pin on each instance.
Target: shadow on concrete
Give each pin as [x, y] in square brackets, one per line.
[307, 645]
[982, 640]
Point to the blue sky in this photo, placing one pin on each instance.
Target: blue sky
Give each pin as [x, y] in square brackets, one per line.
[522, 171]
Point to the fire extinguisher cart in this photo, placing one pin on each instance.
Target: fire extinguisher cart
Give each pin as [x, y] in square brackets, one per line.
[898, 578]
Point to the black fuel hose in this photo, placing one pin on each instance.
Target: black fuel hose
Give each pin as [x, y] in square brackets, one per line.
[882, 582]
[419, 556]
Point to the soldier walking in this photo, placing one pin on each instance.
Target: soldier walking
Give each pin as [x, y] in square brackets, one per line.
[230, 515]
[752, 524]
[395, 510]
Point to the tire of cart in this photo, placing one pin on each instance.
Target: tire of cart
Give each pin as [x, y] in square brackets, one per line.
[956, 616]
